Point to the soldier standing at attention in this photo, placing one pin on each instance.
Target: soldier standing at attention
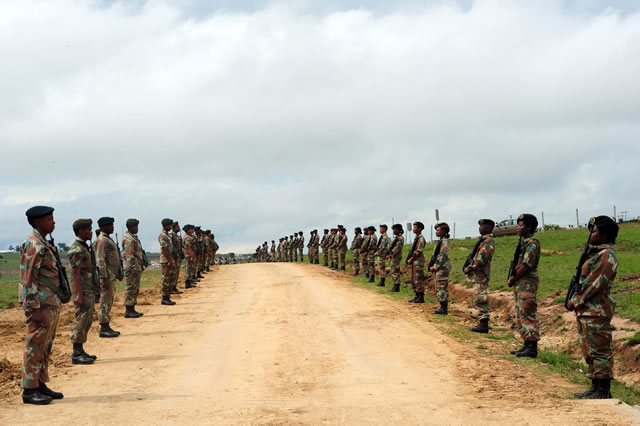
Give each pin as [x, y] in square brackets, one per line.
[83, 290]
[371, 254]
[273, 250]
[342, 248]
[167, 260]
[216, 247]
[355, 250]
[285, 249]
[395, 254]
[324, 244]
[279, 249]
[333, 246]
[109, 267]
[440, 266]
[134, 262]
[179, 250]
[416, 259]
[478, 270]
[301, 246]
[39, 297]
[594, 306]
[381, 251]
[310, 247]
[364, 247]
[209, 241]
[294, 247]
[188, 242]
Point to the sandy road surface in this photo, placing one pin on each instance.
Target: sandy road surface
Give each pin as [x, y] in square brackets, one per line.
[283, 343]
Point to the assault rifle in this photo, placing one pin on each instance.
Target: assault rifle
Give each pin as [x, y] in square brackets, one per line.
[96, 272]
[514, 262]
[393, 244]
[120, 266]
[63, 290]
[472, 255]
[574, 286]
[412, 252]
[434, 256]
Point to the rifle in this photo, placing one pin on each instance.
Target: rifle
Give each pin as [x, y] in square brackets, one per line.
[574, 286]
[514, 262]
[393, 244]
[434, 256]
[120, 266]
[473, 253]
[412, 253]
[94, 267]
[64, 290]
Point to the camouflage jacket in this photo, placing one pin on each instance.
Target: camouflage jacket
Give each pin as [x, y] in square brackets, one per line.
[481, 265]
[373, 245]
[324, 242]
[443, 264]
[366, 239]
[420, 243]
[596, 279]
[530, 256]
[107, 257]
[188, 242]
[131, 252]
[398, 245]
[333, 241]
[293, 243]
[80, 257]
[215, 246]
[356, 244]
[273, 249]
[178, 251]
[301, 241]
[166, 247]
[38, 270]
[342, 242]
[382, 247]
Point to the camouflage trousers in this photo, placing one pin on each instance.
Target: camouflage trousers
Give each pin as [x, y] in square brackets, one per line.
[132, 286]
[313, 254]
[37, 346]
[481, 297]
[167, 275]
[190, 271]
[295, 254]
[371, 260]
[342, 255]
[107, 292]
[175, 275]
[356, 259]
[442, 289]
[418, 283]
[335, 256]
[301, 254]
[83, 317]
[365, 264]
[382, 267]
[325, 256]
[597, 346]
[526, 314]
[395, 270]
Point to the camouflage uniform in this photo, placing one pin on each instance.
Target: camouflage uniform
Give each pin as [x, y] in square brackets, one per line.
[595, 306]
[381, 251]
[301, 248]
[443, 268]
[396, 258]
[525, 291]
[333, 249]
[178, 256]
[418, 264]
[108, 264]
[324, 244]
[273, 252]
[480, 273]
[188, 242]
[356, 244]
[38, 279]
[341, 248]
[80, 257]
[364, 247]
[214, 250]
[371, 254]
[132, 265]
[166, 261]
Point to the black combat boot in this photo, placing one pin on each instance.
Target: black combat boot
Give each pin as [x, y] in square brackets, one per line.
[443, 310]
[372, 278]
[33, 396]
[420, 298]
[414, 299]
[200, 275]
[344, 268]
[366, 275]
[595, 383]
[167, 301]
[187, 284]
[603, 390]
[530, 349]
[44, 390]
[381, 283]
[395, 289]
[317, 262]
[517, 351]
[176, 291]
[356, 272]
[79, 356]
[482, 327]
[106, 331]
[130, 312]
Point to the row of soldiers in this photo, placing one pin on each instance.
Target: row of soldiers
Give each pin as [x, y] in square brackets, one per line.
[95, 268]
[290, 249]
[592, 300]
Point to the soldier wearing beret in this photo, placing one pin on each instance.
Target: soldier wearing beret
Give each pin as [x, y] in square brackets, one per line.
[594, 306]
[108, 263]
[301, 246]
[333, 248]
[371, 254]
[285, 248]
[356, 244]
[395, 254]
[133, 259]
[188, 242]
[381, 251]
[440, 266]
[416, 260]
[477, 268]
[324, 244]
[178, 256]
[342, 248]
[215, 248]
[83, 289]
[40, 300]
[167, 260]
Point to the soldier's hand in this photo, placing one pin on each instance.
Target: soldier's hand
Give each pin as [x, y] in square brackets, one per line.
[78, 299]
[120, 277]
[410, 261]
[571, 306]
[466, 270]
[36, 315]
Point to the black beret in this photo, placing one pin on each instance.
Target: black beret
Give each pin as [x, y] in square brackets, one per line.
[340, 226]
[384, 226]
[419, 224]
[166, 221]
[372, 228]
[198, 228]
[604, 223]
[397, 226]
[176, 223]
[315, 230]
[326, 230]
[358, 229]
[132, 222]
[528, 218]
[208, 231]
[82, 224]
[39, 211]
[105, 221]
[486, 222]
[443, 225]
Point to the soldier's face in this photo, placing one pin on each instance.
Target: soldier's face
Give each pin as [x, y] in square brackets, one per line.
[85, 234]
[596, 237]
[485, 229]
[416, 229]
[521, 229]
[46, 224]
[107, 229]
[133, 229]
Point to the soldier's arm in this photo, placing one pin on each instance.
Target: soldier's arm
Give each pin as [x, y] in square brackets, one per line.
[101, 257]
[602, 269]
[128, 252]
[420, 246]
[75, 261]
[30, 261]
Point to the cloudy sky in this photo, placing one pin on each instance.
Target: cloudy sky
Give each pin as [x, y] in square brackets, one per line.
[256, 119]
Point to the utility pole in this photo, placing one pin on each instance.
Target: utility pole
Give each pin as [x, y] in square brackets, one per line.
[437, 216]
[431, 233]
[454, 230]
[577, 219]
[542, 217]
[614, 212]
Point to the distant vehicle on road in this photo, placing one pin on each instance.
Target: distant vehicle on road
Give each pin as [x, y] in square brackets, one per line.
[506, 227]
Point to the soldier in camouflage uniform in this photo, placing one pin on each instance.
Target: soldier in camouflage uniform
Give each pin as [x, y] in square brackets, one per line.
[364, 247]
[167, 260]
[395, 254]
[333, 246]
[381, 251]
[371, 253]
[109, 267]
[341, 247]
[134, 262]
[355, 250]
[178, 251]
[416, 260]
[199, 253]
[83, 290]
[440, 267]
[215, 247]
[279, 250]
[301, 246]
[324, 244]
[273, 251]
[39, 295]
[294, 247]
[188, 243]
[209, 241]
[312, 247]
[478, 271]
[594, 306]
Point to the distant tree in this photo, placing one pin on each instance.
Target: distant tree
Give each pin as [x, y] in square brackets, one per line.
[17, 249]
[232, 255]
[11, 248]
[63, 247]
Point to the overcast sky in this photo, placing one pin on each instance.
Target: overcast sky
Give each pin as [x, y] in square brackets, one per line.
[256, 119]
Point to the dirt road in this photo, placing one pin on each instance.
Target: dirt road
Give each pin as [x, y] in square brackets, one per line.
[291, 344]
